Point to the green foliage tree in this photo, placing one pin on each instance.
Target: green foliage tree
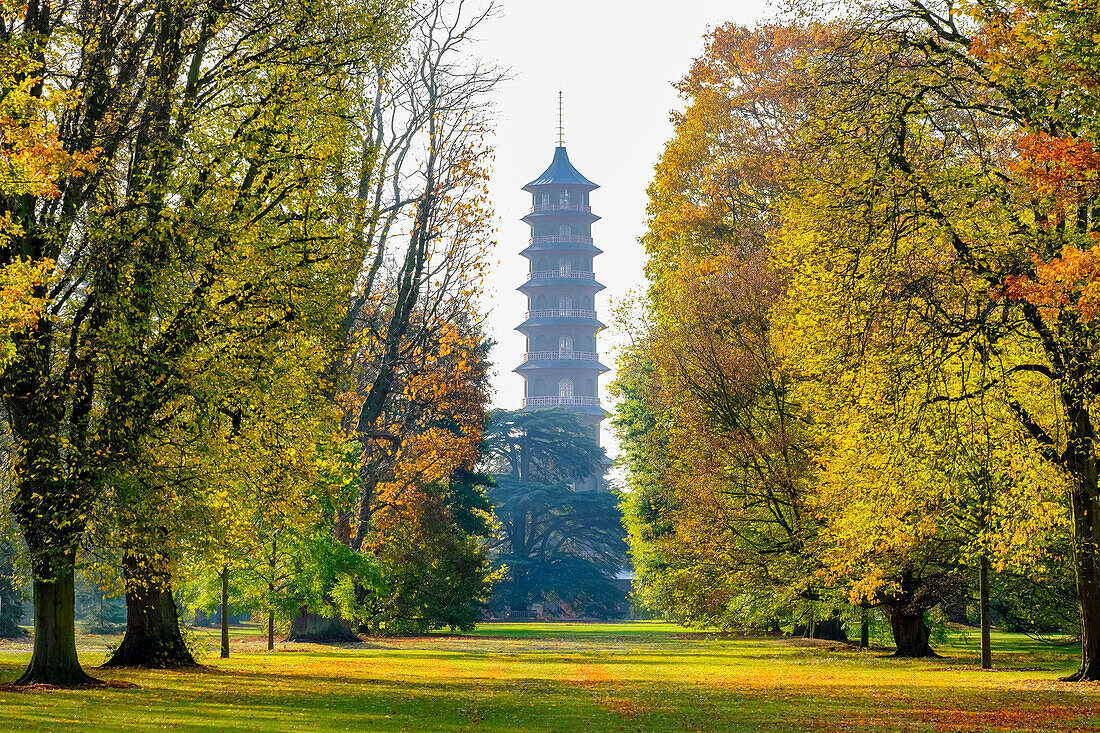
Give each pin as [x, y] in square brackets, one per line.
[437, 570]
[557, 542]
[165, 263]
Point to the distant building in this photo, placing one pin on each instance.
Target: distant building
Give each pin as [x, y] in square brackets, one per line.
[561, 367]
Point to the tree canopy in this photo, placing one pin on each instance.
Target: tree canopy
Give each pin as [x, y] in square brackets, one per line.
[870, 330]
[559, 539]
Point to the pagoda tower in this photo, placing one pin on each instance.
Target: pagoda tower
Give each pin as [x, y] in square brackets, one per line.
[561, 367]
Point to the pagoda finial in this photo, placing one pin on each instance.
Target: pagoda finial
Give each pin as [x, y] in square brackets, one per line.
[561, 124]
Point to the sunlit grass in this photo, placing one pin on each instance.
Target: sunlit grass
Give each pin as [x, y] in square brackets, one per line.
[643, 676]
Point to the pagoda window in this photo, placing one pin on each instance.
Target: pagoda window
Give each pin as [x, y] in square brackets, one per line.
[546, 199]
[565, 388]
[565, 230]
[565, 267]
[565, 346]
[565, 303]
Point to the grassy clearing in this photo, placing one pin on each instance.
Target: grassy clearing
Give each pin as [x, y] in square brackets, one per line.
[570, 678]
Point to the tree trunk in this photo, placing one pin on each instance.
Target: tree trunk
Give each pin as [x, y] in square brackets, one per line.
[310, 627]
[153, 637]
[911, 634]
[270, 630]
[54, 660]
[983, 594]
[864, 628]
[225, 612]
[1086, 531]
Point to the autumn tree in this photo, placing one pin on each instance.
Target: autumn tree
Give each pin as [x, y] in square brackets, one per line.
[433, 560]
[867, 362]
[422, 226]
[726, 514]
[951, 170]
[423, 510]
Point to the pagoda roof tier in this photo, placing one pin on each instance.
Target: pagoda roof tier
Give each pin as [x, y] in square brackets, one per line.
[554, 317]
[560, 173]
[541, 246]
[551, 213]
[560, 239]
[576, 361]
[540, 279]
[548, 403]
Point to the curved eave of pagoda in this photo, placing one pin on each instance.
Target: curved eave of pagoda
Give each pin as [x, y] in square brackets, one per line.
[560, 215]
[594, 410]
[583, 249]
[536, 323]
[532, 286]
[534, 365]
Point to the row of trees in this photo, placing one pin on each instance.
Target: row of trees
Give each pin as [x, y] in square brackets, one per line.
[867, 368]
[240, 244]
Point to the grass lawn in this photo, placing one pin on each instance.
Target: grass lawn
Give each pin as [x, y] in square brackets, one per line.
[644, 676]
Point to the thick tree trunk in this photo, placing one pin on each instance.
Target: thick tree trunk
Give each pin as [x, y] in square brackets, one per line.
[153, 637]
[54, 660]
[309, 627]
[1086, 531]
[225, 612]
[983, 595]
[911, 633]
[864, 628]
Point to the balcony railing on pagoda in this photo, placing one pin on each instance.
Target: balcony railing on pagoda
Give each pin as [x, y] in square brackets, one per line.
[560, 401]
[556, 313]
[551, 355]
[561, 207]
[561, 239]
[560, 275]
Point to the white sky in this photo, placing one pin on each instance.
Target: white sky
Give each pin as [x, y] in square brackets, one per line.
[615, 62]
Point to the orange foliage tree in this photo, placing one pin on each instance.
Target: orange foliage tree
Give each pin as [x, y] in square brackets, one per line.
[720, 526]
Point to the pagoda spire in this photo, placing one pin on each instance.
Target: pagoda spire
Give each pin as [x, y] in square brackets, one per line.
[561, 123]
